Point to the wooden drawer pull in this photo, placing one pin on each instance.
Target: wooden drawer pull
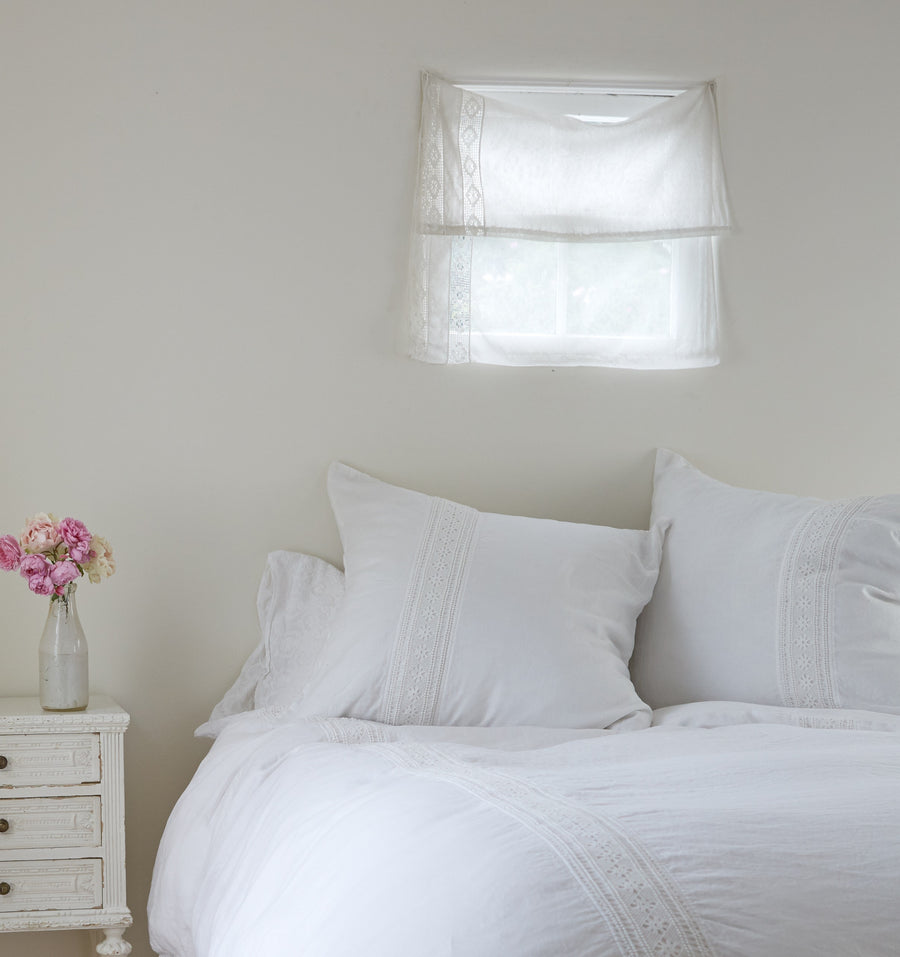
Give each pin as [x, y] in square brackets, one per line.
[3, 762]
[4, 888]
[4, 825]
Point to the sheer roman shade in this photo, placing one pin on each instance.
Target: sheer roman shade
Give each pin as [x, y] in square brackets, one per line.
[503, 197]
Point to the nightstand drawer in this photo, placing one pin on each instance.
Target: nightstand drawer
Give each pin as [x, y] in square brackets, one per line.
[49, 822]
[38, 759]
[51, 885]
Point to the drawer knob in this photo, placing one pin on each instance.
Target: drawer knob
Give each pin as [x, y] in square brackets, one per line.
[4, 888]
[4, 825]
[3, 762]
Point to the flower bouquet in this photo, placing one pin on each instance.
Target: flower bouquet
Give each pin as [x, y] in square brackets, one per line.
[51, 555]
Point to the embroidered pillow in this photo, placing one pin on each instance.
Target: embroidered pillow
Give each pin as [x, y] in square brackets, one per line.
[297, 598]
[770, 598]
[456, 617]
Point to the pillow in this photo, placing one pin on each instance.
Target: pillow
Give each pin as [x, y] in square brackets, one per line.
[455, 617]
[771, 599]
[297, 598]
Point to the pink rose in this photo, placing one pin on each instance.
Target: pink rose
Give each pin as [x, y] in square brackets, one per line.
[41, 534]
[10, 553]
[77, 538]
[41, 586]
[64, 572]
[36, 568]
[32, 565]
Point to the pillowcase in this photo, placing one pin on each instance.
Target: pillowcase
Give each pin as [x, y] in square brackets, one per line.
[297, 598]
[771, 599]
[456, 617]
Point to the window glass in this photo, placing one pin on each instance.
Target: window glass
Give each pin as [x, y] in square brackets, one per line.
[614, 290]
[514, 287]
[601, 290]
[618, 289]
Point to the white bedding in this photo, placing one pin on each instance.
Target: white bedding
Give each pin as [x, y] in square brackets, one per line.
[723, 830]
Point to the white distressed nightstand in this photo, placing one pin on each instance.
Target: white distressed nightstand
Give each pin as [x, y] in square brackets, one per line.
[62, 820]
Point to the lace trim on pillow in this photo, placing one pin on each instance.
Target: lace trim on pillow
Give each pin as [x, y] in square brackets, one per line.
[631, 891]
[806, 675]
[430, 610]
[351, 731]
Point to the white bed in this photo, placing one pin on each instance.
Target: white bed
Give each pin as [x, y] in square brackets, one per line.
[484, 827]
[756, 834]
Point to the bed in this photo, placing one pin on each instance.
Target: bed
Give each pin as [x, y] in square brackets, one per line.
[495, 735]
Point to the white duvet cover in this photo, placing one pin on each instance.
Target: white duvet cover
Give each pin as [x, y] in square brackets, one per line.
[723, 830]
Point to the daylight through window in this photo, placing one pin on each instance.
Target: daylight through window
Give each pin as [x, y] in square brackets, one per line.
[567, 226]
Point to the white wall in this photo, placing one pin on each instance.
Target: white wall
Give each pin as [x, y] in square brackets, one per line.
[203, 212]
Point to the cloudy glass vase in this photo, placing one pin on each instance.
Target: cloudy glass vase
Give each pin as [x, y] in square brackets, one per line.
[63, 656]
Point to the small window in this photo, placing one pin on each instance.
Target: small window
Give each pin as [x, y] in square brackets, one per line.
[544, 263]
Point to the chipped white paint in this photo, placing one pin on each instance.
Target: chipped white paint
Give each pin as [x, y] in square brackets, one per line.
[62, 820]
[49, 822]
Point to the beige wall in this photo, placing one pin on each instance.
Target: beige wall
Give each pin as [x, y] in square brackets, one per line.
[203, 212]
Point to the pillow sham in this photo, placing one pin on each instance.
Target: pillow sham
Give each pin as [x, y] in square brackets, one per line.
[456, 617]
[297, 597]
[770, 598]
[297, 601]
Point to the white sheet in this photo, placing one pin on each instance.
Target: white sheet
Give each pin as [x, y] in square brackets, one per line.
[723, 830]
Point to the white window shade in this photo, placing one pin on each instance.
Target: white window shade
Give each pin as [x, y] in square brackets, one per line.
[546, 240]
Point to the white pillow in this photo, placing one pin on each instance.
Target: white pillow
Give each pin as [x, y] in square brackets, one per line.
[770, 598]
[297, 598]
[455, 617]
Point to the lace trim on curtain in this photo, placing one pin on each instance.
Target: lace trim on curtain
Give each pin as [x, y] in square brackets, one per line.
[460, 300]
[431, 205]
[418, 299]
[631, 891]
[471, 121]
[431, 184]
[806, 675]
[427, 626]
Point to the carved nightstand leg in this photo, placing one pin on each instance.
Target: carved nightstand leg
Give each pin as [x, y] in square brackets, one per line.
[113, 943]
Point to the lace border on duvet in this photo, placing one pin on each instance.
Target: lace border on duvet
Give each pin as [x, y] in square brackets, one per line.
[631, 891]
[806, 672]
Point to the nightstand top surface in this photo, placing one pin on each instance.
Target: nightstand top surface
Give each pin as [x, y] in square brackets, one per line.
[26, 714]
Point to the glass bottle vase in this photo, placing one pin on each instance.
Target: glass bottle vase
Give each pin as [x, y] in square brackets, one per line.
[63, 656]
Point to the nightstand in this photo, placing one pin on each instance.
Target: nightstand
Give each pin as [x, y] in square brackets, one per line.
[62, 820]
